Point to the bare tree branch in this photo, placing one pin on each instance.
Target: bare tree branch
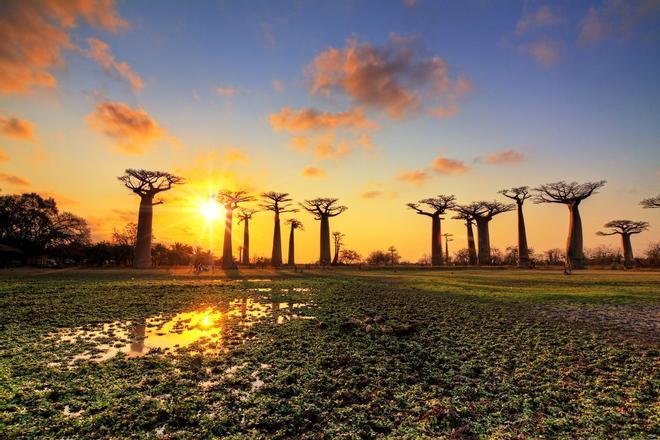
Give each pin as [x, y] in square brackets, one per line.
[566, 192]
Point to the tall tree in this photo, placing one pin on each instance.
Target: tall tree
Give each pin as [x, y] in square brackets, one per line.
[338, 239]
[322, 209]
[447, 240]
[245, 215]
[483, 212]
[464, 213]
[295, 224]
[519, 195]
[146, 184]
[651, 202]
[230, 200]
[625, 228]
[437, 206]
[279, 203]
[570, 194]
[34, 224]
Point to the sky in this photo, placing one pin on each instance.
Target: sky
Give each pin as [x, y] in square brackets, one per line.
[376, 103]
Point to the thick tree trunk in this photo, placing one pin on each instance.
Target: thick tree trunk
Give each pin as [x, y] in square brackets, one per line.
[143, 240]
[574, 244]
[227, 257]
[436, 242]
[446, 250]
[292, 249]
[523, 250]
[628, 257]
[324, 258]
[483, 237]
[246, 242]
[276, 256]
[335, 259]
[472, 249]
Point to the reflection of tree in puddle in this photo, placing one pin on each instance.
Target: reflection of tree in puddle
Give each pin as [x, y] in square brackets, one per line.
[210, 330]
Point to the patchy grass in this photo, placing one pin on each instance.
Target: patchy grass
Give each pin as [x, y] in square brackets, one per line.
[399, 354]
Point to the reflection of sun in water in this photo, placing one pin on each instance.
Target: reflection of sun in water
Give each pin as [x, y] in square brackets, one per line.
[210, 209]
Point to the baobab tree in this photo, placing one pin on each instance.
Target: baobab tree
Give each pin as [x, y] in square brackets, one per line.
[230, 200]
[322, 209]
[438, 206]
[447, 240]
[245, 215]
[464, 213]
[146, 184]
[625, 228]
[295, 224]
[519, 195]
[279, 203]
[570, 194]
[338, 239]
[651, 202]
[483, 212]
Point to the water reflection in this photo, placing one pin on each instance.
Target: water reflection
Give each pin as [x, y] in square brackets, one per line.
[209, 330]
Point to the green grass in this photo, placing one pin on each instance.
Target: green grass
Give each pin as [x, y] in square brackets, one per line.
[463, 354]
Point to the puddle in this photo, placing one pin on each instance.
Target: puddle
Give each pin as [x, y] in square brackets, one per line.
[210, 330]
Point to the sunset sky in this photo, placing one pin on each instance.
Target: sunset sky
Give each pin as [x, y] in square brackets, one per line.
[377, 103]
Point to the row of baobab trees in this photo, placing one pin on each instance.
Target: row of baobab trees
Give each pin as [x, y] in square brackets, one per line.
[148, 184]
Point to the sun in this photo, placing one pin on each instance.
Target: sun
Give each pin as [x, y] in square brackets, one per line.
[210, 210]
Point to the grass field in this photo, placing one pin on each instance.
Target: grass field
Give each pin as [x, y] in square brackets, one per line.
[335, 354]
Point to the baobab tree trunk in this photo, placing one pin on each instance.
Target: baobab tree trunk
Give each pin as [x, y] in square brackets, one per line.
[227, 257]
[574, 244]
[246, 242]
[472, 250]
[276, 256]
[523, 250]
[335, 259]
[143, 240]
[446, 250]
[628, 258]
[436, 242]
[324, 258]
[483, 237]
[292, 251]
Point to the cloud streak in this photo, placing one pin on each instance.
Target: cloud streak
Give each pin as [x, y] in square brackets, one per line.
[133, 130]
[33, 35]
[395, 77]
[309, 119]
[102, 54]
[313, 172]
[16, 128]
[13, 180]
[505, 157]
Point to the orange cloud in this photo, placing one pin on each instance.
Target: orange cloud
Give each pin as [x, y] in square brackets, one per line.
[325, 149]
[393, 77]
[17, 128]
[307, 119]
[101, 53]
[415, 177]
[545, 52]
[544, 17]
[443, 112]
[615, 19]
[313, 172]
[505, 157]
[444, 165]
[410, 3]
[33, 35]
[299, 143]
[3, 156]
[10, 179]
[236, 155]
[375, 194]
[226, 91]
[132, 129]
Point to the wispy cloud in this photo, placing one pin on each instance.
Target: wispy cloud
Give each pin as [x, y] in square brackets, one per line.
[17, 128]
[445, 165]
[102, 54]
[545, 52]
[133, 130]
[414, 177]
[278, 86]
[4, 157]
[395, 77]
[313, 172]
[542, 17]
[34, 34]
[307, 119]
[13, 180]
[616, 19]
[505, 157]
[233, 155]
[226, 91]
